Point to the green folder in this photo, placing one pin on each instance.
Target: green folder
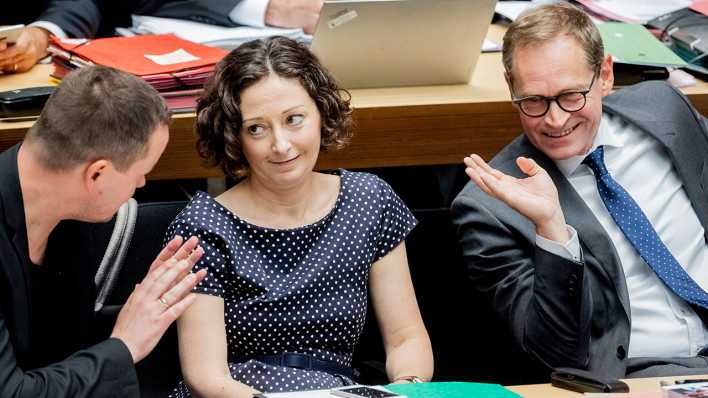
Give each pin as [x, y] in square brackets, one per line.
[633, 44]
[451, 390]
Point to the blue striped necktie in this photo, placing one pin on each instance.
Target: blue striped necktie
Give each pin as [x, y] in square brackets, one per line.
[641, 234]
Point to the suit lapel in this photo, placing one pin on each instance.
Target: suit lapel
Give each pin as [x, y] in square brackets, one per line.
[591, 234]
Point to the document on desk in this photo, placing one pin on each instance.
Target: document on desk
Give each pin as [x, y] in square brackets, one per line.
[489, 46]
[452, 390]
[645, 394]
[423, 390]
[210, 35]
[634, 11]
[313, 394]
[301, 394]
[633, 44]
[511, 9]
[700, 6]
[139, 55]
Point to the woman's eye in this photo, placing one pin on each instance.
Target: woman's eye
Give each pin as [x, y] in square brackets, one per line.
[295, 119]
[255, 129]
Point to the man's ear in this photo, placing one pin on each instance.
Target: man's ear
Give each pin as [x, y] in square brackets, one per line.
[607, 75]
[93, 173]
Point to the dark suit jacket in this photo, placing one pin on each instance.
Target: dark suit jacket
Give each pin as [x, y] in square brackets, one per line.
[99, 18]
[561, 312]
[26, 370]
[77, 18]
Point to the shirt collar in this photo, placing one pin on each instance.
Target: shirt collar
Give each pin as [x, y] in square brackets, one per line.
[607, 135]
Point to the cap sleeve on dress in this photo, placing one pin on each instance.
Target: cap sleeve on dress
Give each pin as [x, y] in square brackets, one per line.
[396, 221]
[190, 222]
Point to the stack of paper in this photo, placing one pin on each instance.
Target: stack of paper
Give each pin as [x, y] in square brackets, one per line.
[637, 54]
[700, 6]
[176, 67]
[633, 11]
[512, 9]
[686, 390]
[210, 35]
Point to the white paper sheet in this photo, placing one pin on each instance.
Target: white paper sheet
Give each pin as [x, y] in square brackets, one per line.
[211, 35]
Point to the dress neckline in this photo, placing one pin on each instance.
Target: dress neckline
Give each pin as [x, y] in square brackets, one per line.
[324, 219]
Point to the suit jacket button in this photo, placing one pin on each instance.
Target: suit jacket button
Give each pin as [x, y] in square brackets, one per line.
[621, 353]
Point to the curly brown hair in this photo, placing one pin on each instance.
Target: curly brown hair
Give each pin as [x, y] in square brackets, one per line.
[219, 119]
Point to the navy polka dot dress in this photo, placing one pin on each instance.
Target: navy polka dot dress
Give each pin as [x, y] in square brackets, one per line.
[298, 290]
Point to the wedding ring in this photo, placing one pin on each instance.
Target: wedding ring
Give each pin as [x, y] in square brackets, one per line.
[163, 301]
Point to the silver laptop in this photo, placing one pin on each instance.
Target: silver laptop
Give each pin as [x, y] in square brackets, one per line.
[387, 43]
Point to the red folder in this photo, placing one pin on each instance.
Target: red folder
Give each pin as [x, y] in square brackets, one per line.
[129, 53]
[700, 6]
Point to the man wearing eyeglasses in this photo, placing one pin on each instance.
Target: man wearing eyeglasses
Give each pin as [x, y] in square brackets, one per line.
[588, 232]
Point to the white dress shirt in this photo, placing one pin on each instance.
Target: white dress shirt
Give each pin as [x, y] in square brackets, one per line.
[663, 324]
[51, 27]
[250, 13]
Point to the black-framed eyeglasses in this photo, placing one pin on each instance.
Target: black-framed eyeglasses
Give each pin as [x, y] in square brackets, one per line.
[538, 105]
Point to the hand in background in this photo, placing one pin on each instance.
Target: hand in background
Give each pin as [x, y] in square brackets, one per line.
[30, 47]
[534, 197]
[294, 14]
[162, 296]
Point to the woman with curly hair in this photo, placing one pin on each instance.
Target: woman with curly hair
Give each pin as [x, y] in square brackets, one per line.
[292, 254]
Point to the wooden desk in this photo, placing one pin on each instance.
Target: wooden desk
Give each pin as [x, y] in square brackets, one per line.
[526, 391]
[394, 126]
[405, 126]
[635, 385]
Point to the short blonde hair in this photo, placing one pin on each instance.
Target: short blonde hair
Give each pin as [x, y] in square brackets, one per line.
[547, 22]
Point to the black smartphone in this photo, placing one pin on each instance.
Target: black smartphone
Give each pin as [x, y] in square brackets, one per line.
[363, 392]
[583, 381]
[24, 101]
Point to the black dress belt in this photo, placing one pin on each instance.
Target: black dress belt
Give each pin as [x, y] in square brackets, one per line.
[303, 361]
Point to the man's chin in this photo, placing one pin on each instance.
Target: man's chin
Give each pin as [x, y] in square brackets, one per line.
[96, 218]
[561, 149]
[563, 152]
[105, 219]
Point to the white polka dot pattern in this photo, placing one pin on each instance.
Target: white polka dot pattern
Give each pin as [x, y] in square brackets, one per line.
[641, 234]
[298, 290]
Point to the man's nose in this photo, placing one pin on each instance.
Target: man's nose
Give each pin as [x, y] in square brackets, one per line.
[556, 116]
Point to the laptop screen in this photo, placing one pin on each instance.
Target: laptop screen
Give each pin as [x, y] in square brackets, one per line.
[387, 43]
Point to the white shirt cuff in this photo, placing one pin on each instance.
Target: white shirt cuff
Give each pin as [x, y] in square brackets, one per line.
[250, 13]
[51, 27]
[570, 250]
